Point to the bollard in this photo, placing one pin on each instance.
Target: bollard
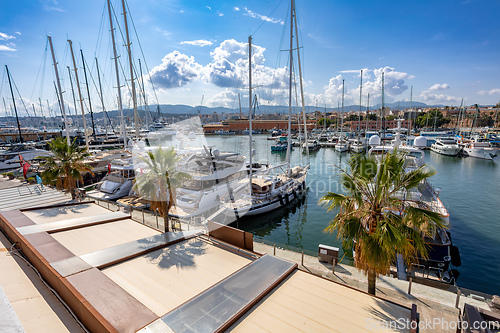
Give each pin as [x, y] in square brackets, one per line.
[458, 298]
[409, 286]
[274, 249]
[302, 258]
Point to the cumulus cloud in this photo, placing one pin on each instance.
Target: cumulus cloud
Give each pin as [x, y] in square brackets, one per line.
[199, 42]
[394, 85]
[438, 86]
[176, 70]
[250, 13]
[489, 92]
[430, 97]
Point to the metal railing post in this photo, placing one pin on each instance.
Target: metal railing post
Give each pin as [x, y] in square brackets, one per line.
[409, 286]
[274, 249]
[302, 262]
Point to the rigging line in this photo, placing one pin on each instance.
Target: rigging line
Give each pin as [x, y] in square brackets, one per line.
[267, 16]
[99, 33]
[37, 76]
[142, 52]
[42, 80]
[20, 97]
[1, 86]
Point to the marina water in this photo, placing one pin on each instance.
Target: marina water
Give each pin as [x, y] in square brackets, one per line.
[470, 191]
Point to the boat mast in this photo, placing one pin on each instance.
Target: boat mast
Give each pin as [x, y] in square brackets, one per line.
[15, 108]
[102, 99]
[79, 95]
[143, 89]
[120, 105]
[301, 85]
[63, 111]
[74, 98]
[134, 98]
[289, 141]
[342, 114]
[250, 105]
[411, 114]
[367, 113]
[88, 94]
[360, 94]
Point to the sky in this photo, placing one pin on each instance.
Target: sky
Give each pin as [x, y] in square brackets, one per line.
[196, 52]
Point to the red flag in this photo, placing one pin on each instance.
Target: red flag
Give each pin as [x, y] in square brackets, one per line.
[26, 166]
[21, 160]
[109, 167]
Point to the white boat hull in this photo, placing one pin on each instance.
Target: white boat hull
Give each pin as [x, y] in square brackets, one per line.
[483, 153]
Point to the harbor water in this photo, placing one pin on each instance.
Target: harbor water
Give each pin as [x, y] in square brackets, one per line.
[470, 190]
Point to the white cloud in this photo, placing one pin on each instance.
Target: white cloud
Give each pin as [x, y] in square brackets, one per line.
[237, 9]
[209, 8]
[394, 85]
[220, 14]
[429, 97]
[199, 42]
[489, 92]
[6, 48]
[176, 70]
[438, 86]
[164, 33]
[262, 17]
[4, 36]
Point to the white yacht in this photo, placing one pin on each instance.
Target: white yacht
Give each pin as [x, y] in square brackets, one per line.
[311, 144]
[480, 148]
[214, 175]
[342, 146]
[446, 146]
[117, 183]
[357, 146]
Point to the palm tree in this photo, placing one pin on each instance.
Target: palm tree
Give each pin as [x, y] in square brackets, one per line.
[159, 182]
[375, 219]
[64, 168]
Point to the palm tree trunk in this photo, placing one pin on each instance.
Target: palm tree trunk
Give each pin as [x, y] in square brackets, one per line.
[165, 216]
[371, 281]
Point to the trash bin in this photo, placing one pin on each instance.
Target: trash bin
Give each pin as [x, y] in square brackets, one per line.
[328, 254]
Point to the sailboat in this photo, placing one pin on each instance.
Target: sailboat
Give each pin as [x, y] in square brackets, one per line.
[342, 146]
[263, 192]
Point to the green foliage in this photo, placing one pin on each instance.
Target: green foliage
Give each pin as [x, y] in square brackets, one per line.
[321, 122]
[10, 174]
[65, 167]
[352, 117]
[159, 182]
[371, 116]
[373, 219]
[427, 119]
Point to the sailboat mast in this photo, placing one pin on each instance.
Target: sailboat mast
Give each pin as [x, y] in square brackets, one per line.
[134, 98]
[120, 105]
[143, 90]
[63, 111]
[75, 68]
[289, 141]
[250, 105]
[302, 86]
[367, 113]
[342, 114]
[102, 98]
[411, 112]
[360, 99]
[14, 102]
[73, 94]
[88, 93]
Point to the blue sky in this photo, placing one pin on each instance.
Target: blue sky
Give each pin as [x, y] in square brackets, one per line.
[446, 50]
